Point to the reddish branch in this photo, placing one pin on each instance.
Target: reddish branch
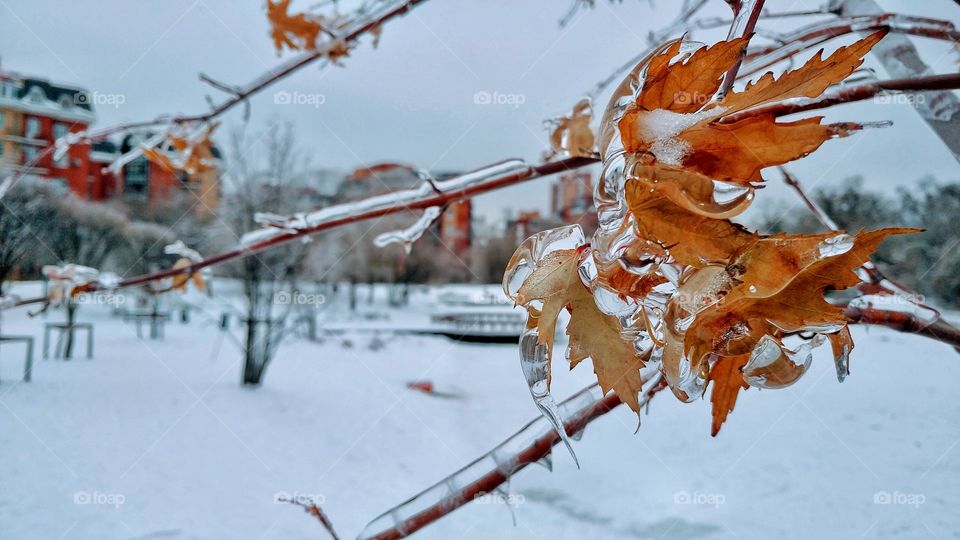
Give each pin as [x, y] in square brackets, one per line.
[906, 322]
[430, 199]
[743, 25]
[314, 510]
[489, 482]
[810, 36]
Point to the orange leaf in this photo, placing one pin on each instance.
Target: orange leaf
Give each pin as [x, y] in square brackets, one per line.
[297, 32]
[674, 124]
[686, 86]
[727, 377]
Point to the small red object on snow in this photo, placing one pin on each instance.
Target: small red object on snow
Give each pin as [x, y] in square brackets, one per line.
[423, 386]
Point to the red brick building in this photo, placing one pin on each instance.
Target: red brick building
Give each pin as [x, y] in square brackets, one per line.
[34, 113]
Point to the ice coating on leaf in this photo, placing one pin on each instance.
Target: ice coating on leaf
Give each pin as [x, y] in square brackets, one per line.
[772, 365]
[501, 459]
[406, 237]
[535, 364]
[532, 250]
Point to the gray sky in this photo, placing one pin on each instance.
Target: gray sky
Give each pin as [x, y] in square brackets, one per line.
[412, 99]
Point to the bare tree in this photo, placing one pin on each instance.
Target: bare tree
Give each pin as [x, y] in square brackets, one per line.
[264, 176]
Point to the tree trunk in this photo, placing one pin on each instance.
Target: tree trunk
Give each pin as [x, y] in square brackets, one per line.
[68, 345]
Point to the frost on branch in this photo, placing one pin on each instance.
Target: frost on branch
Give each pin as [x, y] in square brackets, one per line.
[70, 280]
[668, 279]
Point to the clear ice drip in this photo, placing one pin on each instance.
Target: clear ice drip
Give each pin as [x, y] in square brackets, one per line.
[406, 237]
[536, 367]
[534, 356]
[502, 459]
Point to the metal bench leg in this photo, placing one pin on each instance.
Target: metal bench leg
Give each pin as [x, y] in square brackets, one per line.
[28, 367]
[46, 342]
[89, 342]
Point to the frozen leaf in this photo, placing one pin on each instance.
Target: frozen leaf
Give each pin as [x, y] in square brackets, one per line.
[676, 120]
[727, 377]
[179, 281]
[556, 283]
[781, 283]
[296, 32]
[572, 135]
[691, 238]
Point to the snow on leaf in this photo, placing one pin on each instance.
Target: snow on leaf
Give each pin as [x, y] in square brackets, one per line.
[676, 122]
[556, 283]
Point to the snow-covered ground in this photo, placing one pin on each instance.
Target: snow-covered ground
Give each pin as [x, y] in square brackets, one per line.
[157, 439]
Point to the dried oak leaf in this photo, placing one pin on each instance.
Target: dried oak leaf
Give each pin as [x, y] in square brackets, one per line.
[727, 377]
[781, 281]
[296, 32]
[592, 334]
[675, 122]
[191, 156]
[179, 281]
[572, 135]
[692, 238]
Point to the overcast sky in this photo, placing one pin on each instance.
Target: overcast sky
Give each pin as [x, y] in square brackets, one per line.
[412, 99]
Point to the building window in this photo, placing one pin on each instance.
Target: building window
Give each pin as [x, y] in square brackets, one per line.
[60, 130]
[136, 177]
[32, 130]
[29, 154]
[6, 89]
[3, 120]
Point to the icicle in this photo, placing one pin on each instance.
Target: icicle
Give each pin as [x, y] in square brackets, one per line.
[406, 237]
[536, 365]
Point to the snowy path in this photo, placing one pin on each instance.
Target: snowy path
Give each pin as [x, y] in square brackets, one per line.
[165, 427]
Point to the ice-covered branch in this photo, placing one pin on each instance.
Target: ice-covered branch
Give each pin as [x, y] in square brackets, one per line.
[533, 443]
[436, 194]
